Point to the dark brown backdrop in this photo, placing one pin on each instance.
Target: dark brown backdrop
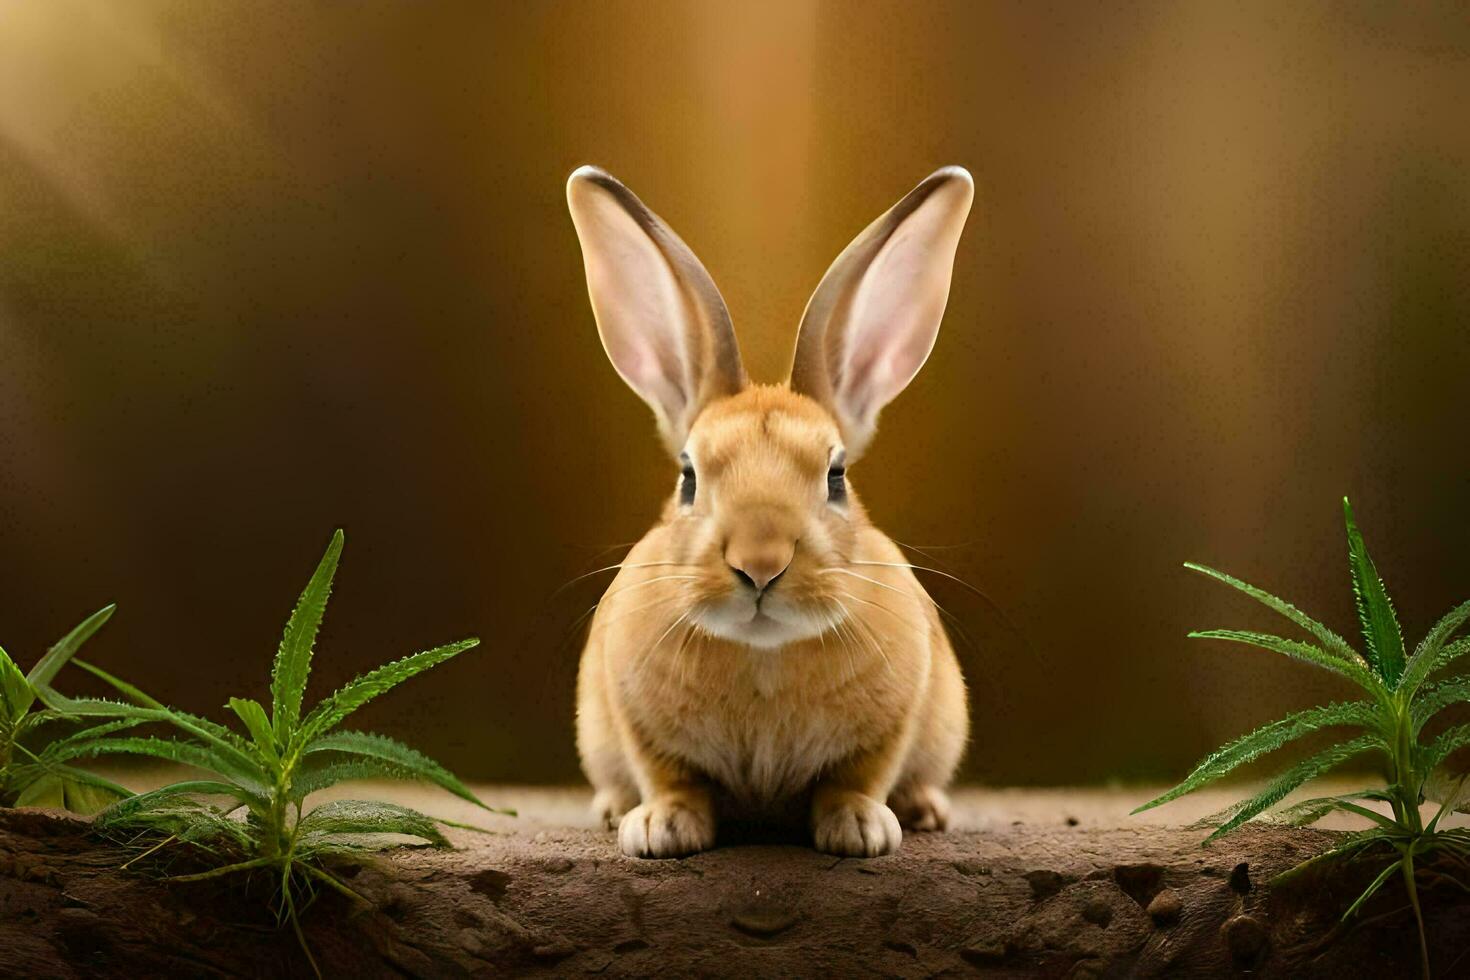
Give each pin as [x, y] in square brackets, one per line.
[271, 268]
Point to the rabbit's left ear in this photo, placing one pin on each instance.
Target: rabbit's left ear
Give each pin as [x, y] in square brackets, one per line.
[874, 318]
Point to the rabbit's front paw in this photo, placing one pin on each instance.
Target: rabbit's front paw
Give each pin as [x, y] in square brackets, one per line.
[921, 807]
[667, 827]
[854, 825]
[609, 805]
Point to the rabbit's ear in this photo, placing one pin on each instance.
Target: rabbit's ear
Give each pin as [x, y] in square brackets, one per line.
[662, 321]
[872, 322]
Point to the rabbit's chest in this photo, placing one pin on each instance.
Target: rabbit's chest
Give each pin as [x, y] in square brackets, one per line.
[763, 736]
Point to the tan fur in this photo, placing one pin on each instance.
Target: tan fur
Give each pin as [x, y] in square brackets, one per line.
[871, 710]
[764, 648]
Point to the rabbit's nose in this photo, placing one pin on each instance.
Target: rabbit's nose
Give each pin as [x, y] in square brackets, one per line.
[758, 565]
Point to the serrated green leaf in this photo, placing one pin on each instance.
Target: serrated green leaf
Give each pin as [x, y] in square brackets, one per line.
[1423, 661]
[1446, 743]
[16, 695]
[125, 809]
[358, 692]
[122, 687]
[1297, 650]
[293, 658]
[190, 820]
[1267, 739]
[414, 764]
[1333, 643]
[1308, 769]
[351, 817]
[1381, 633]
[54, 659]
[1437, 697]
[1448, 654]
[86, 734]
[259, 726]
[1310, 811]
[228, 745]
[248, 777]
[316, 774]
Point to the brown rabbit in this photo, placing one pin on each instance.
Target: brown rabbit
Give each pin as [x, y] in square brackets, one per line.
[764, 646]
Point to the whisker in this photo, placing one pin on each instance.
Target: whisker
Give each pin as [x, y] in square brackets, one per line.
[649, 581]
[868, 602]
[849, 640]
[994, 606]
[620, 565]
[638, 609]
[869, 642]
[953, 619]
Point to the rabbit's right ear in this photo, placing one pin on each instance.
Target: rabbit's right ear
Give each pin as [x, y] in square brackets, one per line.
[662, 321]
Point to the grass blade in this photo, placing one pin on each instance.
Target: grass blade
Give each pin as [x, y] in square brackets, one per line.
[293, 658]
[47, 667]
[1372, 888]
[358, 692]
[121, 686]
[259, 726]
[16, 695]
[1381, 633]
[1267, 739]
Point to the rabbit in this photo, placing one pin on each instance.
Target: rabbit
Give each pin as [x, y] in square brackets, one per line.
[764, 648]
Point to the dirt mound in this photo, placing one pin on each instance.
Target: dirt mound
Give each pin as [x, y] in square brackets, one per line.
[1013, 900]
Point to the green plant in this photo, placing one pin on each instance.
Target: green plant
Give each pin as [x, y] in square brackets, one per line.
[264, 775]
[32, 775]
[1402, 700]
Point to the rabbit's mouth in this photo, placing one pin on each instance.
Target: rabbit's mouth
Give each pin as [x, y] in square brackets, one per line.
[766, 625]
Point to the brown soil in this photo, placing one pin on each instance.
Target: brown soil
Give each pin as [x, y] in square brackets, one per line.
[1068, 894]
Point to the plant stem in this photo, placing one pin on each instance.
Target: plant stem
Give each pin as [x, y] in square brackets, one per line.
[1418, 914]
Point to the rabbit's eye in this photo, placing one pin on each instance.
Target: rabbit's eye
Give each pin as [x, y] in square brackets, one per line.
[686, 481]
[837, 480]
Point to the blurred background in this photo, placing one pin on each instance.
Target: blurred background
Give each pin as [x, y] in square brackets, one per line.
[267, 269]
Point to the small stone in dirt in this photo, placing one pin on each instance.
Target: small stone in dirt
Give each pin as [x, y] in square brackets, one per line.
[971, 868]
[1044, 884]
[1073, 821]
[630, 946]
[899, 946]
[987, 955]
[1098, 912]
[763, 919]
[1245, 937]
[1240, 879]
[1086, 969]
[1165, 907]
[553, 952]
